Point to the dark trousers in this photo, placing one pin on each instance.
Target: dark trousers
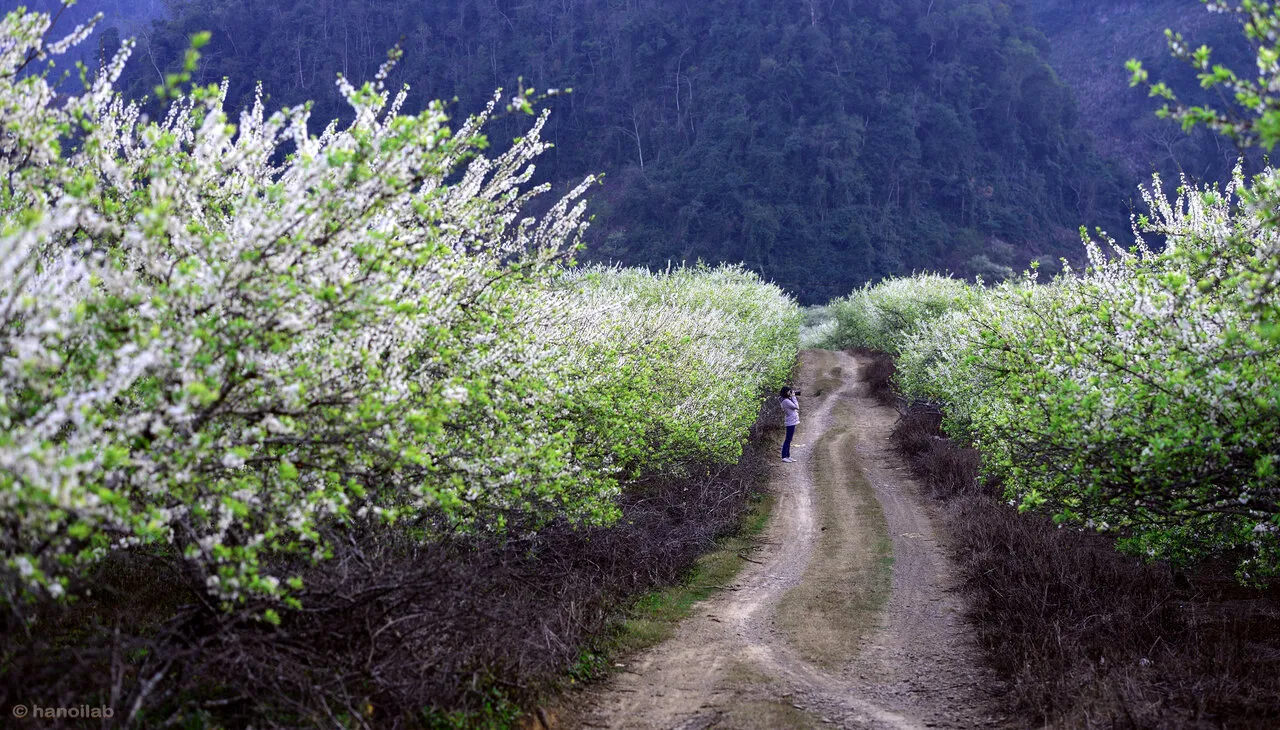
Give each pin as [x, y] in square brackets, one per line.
[786, 445]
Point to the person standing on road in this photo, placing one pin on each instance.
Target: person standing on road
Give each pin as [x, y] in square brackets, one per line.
[790, 409]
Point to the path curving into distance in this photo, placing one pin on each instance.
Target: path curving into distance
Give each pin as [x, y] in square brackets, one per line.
[847, 619]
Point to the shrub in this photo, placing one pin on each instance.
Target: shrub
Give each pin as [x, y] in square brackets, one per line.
[817, 326]
[879, 316]
[948, 469]
[230, 343]
[1141, 396]
[1086, 637]
[878, 375]
[669, 368]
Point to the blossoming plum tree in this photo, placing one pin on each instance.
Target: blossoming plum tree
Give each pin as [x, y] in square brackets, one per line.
[1140, 395]
[881, 316]
[207, 346]
[229, 341]
[668, 367]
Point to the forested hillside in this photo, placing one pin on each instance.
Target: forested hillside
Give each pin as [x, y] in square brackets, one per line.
[120, 18]
[822, 143]
[1090, 40]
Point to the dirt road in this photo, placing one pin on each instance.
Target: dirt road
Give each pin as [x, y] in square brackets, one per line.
[846, 620]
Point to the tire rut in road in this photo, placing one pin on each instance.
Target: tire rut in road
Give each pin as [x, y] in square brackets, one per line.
[847, 620]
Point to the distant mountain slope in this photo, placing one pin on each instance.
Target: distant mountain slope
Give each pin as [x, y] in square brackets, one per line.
[120, 18]
[1090, 42]
[824, 143]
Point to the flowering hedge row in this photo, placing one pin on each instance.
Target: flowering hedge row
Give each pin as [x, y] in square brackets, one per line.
[671, 365]
[231, 338]
[1140, 396]
[879, 316]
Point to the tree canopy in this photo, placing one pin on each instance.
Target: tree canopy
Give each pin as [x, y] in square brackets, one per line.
[823, 144]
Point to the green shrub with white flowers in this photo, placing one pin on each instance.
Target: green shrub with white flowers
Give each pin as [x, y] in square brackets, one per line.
[1140, 396]
[879, 316]
[227, 339]
[672, 364]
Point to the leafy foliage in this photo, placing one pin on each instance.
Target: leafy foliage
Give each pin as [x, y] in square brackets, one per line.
[880, 317]
[226, 340]
[1261, 126]
[1139, 396]
[672, 364]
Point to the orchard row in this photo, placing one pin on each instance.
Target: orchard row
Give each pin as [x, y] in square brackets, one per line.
[230, 342]
[1139, 396]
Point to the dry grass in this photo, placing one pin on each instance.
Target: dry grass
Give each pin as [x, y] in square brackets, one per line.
[878, 375]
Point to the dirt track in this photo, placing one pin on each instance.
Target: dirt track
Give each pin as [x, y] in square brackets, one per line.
[846, 620]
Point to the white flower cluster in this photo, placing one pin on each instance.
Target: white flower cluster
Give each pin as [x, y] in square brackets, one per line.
[231, 338]
[200, 344]
[697, 347]
[1142, 394]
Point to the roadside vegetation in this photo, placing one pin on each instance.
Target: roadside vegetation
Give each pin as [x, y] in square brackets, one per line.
[1137, 397]
[1082, 635]
[1107, 443]
[306, 429]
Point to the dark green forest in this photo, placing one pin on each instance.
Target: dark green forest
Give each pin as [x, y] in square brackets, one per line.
[823, 143]
[1089, 42]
